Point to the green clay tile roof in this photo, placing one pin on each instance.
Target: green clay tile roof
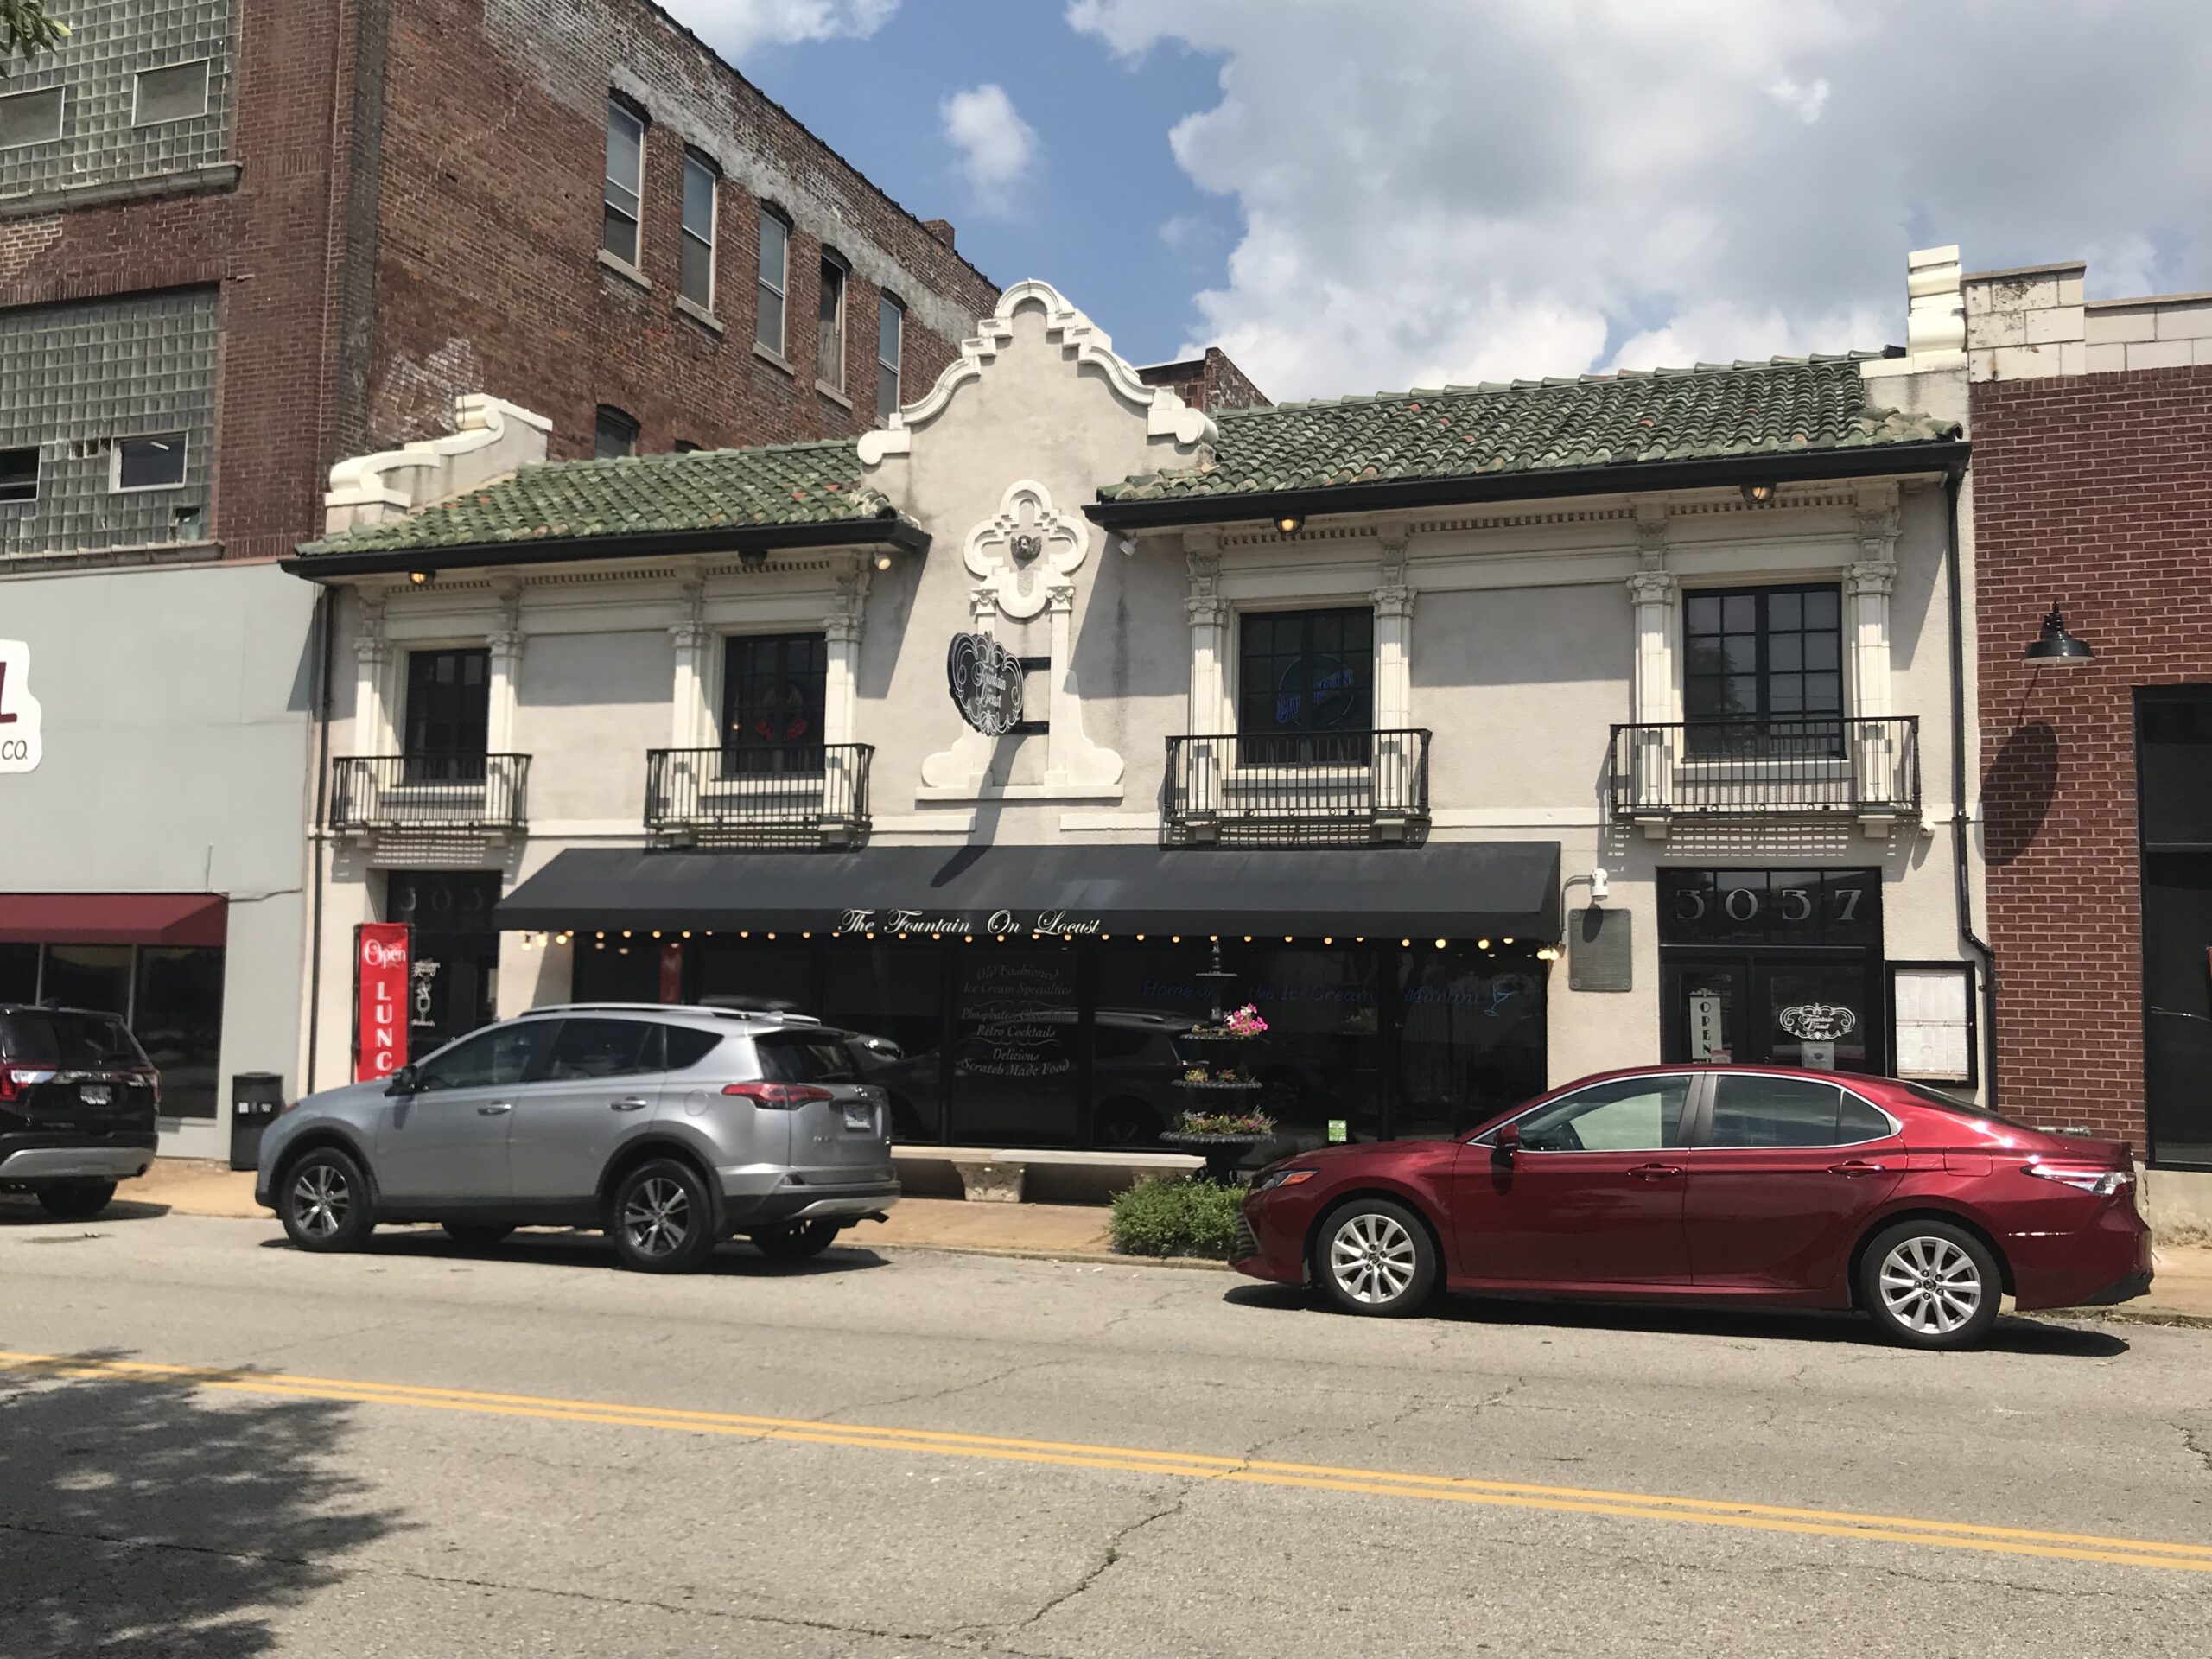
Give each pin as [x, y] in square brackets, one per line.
[1714, 410]
[789, 484]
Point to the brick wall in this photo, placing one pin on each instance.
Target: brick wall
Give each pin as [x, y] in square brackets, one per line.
[1211, 383]
[415, 212]
[2094, 490]
[489, 275]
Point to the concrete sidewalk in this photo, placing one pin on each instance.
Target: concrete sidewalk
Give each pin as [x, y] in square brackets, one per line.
[190, 1186]
[2182, 1293]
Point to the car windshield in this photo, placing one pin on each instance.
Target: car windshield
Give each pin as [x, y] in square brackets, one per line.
[58, 1037]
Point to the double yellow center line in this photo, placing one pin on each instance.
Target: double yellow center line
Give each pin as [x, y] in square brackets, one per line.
[1191, 1466]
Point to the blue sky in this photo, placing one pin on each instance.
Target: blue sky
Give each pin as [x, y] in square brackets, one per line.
[1087, 215]
[1353, 195]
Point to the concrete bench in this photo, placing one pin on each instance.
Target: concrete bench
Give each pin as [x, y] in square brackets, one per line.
[995, 1175]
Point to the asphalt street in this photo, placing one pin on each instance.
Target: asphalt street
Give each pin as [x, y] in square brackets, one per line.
[210, 1445]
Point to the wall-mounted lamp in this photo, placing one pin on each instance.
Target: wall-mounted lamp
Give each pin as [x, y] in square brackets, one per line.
[1600, 888]
[420, 578]
[2055, 647]
[883, 559]
[1759, 495]
[1290, 523]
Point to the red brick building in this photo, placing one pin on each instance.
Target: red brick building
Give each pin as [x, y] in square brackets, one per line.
[270, 234]
[2092, 431]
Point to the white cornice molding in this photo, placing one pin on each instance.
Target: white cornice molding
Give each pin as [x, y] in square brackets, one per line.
[1081, 341]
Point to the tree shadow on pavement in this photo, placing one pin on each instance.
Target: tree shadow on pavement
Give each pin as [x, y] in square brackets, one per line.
[2014, 1333]
[152, 1515]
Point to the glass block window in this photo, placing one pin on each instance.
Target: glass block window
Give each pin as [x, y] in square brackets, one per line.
[83, 380]
[147, 90]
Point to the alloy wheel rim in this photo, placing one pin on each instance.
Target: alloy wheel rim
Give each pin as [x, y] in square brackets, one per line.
[658, 1218]
[1372, 1258]
[321, 1199]
[1930, 1286]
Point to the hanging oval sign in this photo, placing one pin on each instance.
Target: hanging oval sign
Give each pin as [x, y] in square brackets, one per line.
[985, 679]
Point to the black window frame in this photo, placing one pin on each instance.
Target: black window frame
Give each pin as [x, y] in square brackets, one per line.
[119, 481]
[746, 685]
[446, 740]
[1275, 646]
[14, 491]
[1764, 730]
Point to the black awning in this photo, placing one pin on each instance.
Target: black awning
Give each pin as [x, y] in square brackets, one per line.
[1443, 889]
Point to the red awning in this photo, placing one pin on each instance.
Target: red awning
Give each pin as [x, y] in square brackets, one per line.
[112, 918]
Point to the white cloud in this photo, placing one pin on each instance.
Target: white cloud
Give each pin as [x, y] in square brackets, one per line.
[996, 146]
[733, 27]
[1485, 188]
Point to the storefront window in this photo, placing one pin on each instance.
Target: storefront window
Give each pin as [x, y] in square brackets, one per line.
[18, 973]
[89, 977]
[1470, 1039]
[1319, 1063]
[1016, 1048]
[455, 963]
[895, 992]
[178, 1020]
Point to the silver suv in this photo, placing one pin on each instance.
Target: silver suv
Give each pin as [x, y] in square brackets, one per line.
[669, 1128]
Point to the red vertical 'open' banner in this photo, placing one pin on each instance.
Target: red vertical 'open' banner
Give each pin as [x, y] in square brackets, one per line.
[380, 958]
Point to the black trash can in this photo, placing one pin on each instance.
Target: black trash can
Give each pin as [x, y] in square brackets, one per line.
[256, 1098]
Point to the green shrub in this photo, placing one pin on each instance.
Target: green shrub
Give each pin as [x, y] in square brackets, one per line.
[1176, 1219]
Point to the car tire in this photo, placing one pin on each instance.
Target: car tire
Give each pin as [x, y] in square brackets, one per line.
[661, 1219]
[1928, 1284]
[1375, 1257]
[477, 1235]
[795, 1241]
[323, 1200]
[75, 1200]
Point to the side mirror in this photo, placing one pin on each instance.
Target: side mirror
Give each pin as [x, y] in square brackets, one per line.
[403, 1081]
[1508, 1143]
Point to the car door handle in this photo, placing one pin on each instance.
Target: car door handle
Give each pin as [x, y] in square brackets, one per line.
[494, 1111]
[634, 1104]
[1655, 1172]
[1856, 1166]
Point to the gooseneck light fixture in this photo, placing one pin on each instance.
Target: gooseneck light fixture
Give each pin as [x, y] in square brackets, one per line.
[2055, 647]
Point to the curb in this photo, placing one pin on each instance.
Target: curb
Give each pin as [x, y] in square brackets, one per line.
[1094, 1258]
[2125, 1316]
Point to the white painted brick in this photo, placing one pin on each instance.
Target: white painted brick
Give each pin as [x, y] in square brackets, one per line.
[1982, 366]
[2028, 362]
[2106, 360]
[2060, 322]
[2108, 327]
[2202, 349]
[2184, 321]
[2159, 354]
[2073, 357]
[2070, 291]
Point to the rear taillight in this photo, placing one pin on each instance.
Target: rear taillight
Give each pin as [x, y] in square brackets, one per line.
[152, 1079]
[15, 1079]
[783, 1097]
[2103, 1182]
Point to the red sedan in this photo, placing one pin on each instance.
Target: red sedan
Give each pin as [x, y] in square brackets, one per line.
[1754, 1186]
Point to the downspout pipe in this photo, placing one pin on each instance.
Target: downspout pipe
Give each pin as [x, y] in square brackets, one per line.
[325, 629]
[1961, 817]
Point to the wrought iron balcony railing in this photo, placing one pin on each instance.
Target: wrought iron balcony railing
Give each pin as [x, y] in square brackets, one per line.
[429, 791]
[1802, 766]
[1296, 788]
[787, 795]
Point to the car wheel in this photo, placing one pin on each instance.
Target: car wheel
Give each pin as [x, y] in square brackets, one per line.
[75, 1200]
[795, 1241]
[1374, 1256]
[1930, 1285]
[324, 1202]
[477, 1235]
[662, 1222]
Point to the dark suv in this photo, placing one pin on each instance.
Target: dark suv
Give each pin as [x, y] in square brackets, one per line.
[77, 1101]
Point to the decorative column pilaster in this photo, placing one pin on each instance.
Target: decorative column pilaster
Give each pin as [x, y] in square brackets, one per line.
[1394, 630]
[1208, 615]
[1655, 597]
[1867, 587]
[842, 630]
[372, 724]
